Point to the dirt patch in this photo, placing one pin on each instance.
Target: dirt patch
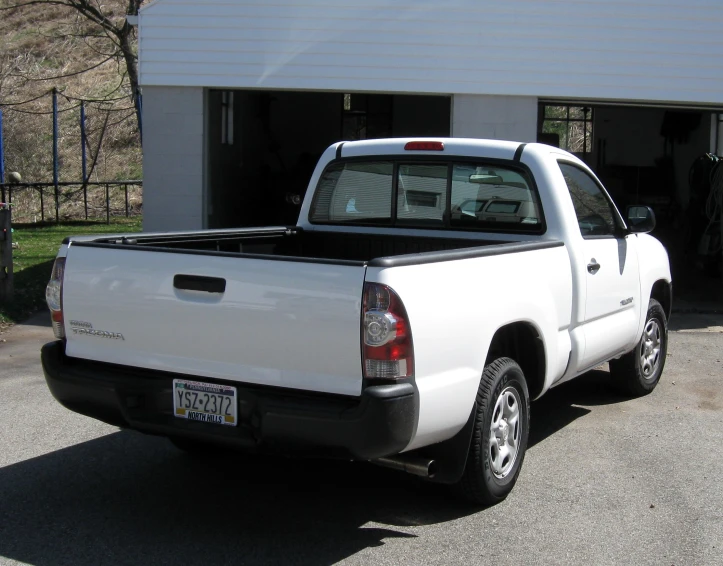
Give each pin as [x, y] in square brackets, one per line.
[709, 398]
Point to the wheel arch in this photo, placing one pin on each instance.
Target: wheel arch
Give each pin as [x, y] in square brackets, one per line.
[522, 342]
[662, 291]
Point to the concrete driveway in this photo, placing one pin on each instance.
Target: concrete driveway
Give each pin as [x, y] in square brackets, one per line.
[606, 481]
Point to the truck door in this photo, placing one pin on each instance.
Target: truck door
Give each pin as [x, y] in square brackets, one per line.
[611, 272]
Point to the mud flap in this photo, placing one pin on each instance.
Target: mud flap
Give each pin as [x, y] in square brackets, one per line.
[450, 456]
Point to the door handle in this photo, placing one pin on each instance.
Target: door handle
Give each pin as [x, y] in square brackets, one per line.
[199, 283]
[593, 267]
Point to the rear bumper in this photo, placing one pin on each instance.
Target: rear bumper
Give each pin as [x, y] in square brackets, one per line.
[381, 422]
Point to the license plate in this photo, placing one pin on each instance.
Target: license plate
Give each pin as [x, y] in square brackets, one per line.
[204, 402]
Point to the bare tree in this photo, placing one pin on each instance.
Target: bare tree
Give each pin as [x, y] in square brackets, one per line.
[105, 30]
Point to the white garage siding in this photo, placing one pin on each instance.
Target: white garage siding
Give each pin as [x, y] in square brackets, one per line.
[652, 50]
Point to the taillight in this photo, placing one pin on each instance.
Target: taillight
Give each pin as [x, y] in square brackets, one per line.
[388, 352]
[54, 297]
[424, 146]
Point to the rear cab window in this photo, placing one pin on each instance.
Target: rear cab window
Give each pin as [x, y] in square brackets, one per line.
[461, 195]
[355, 193]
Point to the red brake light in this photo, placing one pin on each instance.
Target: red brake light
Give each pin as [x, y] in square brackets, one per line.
[54, 297]
[388, 352]
[424, 146]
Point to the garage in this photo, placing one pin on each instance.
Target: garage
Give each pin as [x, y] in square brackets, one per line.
[264, 145]
[661, 156]
[239, 99]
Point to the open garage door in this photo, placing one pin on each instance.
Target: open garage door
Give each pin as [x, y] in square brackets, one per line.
[659, 156]
[263, 145]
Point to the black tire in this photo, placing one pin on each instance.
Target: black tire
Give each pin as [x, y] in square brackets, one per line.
[487, 479]
[638, 372]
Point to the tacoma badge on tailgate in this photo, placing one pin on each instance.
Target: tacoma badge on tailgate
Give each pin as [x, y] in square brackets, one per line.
[86, 329]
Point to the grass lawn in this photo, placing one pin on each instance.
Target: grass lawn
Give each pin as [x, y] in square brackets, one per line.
[33, 261]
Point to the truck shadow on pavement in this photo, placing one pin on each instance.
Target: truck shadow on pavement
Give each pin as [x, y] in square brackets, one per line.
[126, 498]
[130, 499]
[568, 402]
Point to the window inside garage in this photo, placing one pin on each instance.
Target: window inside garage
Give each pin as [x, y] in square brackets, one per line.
[569, 127]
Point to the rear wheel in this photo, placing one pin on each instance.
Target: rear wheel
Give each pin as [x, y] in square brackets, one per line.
[499, 438]
[638, 372]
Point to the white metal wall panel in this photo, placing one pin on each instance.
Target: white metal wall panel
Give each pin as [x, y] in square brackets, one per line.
[173, 159]
[654, 50]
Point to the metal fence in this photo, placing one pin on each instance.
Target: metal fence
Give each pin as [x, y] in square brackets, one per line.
[6, 254]
[43, 202]
[63, 157]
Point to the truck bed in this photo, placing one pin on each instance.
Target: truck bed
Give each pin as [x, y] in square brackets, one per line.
[294, 243]
[245, 305]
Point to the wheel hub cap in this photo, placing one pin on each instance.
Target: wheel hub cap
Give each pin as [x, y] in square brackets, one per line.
[505, 433]
[650, 349]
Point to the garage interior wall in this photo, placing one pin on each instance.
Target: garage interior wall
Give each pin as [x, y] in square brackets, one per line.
[262, 146]
[276, 139]
[630, 142]
[646, 155]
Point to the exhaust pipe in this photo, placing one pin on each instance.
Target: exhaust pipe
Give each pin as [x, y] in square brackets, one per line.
[417, 466]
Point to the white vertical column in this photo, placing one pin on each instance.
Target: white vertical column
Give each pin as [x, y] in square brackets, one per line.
[173, 158]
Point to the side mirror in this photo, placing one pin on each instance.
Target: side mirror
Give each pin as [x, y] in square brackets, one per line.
[640, 219]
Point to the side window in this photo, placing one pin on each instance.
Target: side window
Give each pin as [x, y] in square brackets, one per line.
[595, 215]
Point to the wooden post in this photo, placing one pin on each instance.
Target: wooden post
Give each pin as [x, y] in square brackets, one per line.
[6, 254]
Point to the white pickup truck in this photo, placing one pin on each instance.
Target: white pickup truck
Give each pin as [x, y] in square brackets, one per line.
[430, 289]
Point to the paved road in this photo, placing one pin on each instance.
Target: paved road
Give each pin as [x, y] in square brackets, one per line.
[606, 481]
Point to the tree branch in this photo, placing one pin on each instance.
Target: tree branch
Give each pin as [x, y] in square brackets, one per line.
[83, 6]
[109, 24]
[20, 75]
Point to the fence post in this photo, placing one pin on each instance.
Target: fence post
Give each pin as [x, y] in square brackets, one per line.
[2, 157]
[84, 157]
[55, 153]
[107, 204]
[2, 154]
[6, 254]
[139, 111]
[42, 205]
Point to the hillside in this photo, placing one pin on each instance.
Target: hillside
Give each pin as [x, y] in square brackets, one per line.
[46, 46]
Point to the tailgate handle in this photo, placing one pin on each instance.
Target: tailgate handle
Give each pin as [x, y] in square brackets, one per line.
[199, 283]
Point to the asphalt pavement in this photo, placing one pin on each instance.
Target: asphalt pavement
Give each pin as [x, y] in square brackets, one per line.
[606, 480]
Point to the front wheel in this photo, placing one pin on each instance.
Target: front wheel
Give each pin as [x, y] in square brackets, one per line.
[499, 438]
[638, 372]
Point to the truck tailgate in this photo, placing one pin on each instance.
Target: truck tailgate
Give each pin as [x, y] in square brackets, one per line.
[291, 324]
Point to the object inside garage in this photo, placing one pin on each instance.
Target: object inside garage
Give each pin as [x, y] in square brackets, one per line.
[661, 157]
[263, 145]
